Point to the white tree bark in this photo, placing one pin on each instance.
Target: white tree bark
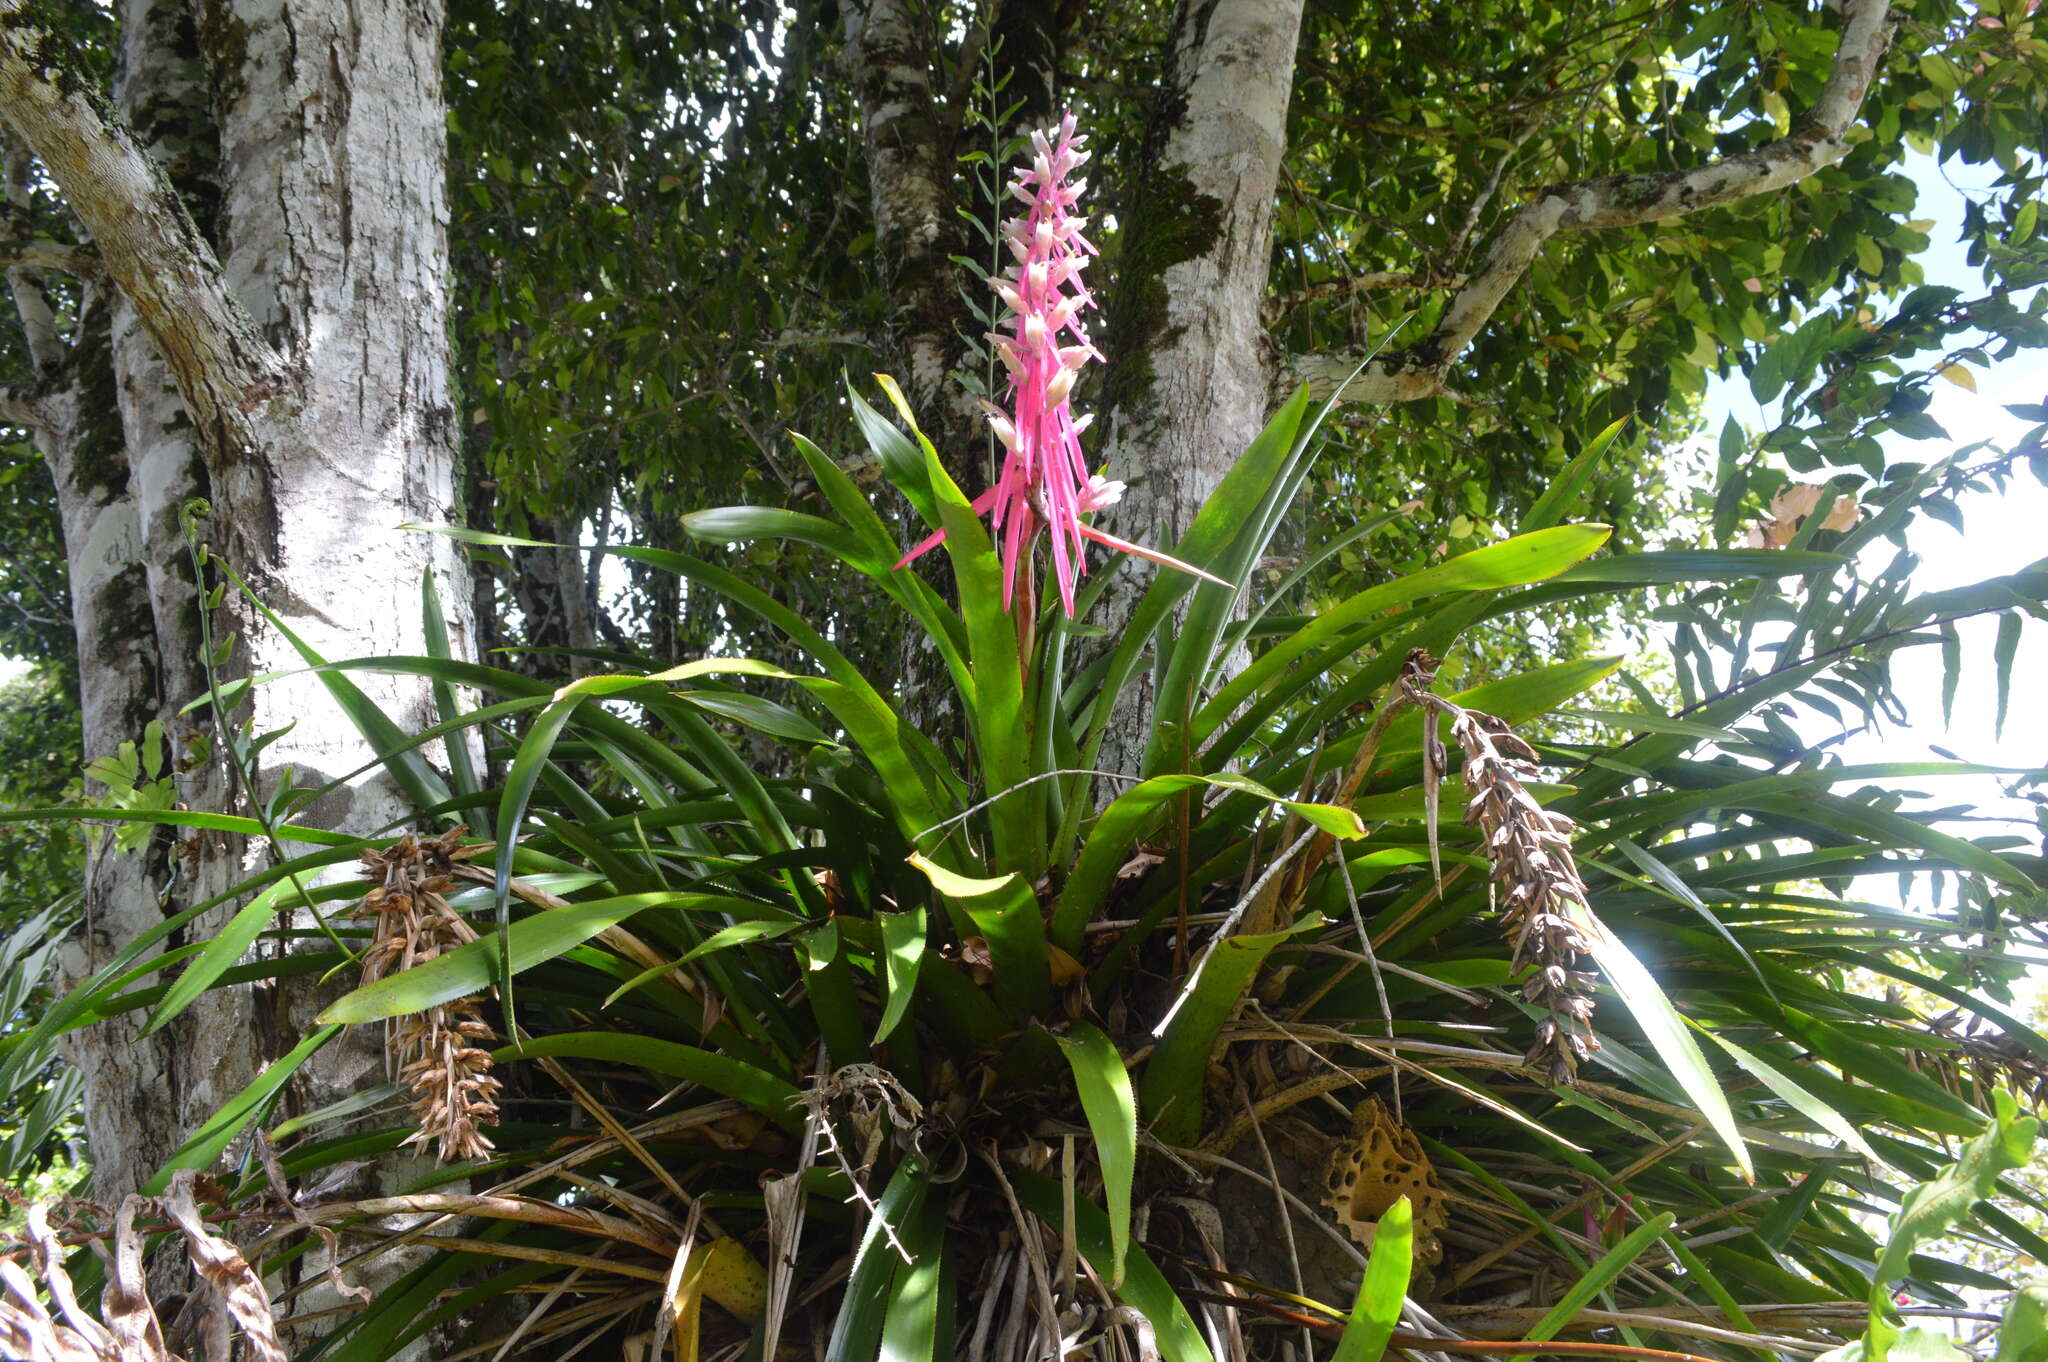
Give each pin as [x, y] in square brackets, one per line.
[1192, 362]
[1817, 140]
[310, 358]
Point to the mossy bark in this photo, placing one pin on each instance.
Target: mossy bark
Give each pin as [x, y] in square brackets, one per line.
[1190, 362]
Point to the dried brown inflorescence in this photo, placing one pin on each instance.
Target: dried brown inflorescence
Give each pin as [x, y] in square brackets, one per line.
[1536, 881]
[439, 1053]
[1535, 877]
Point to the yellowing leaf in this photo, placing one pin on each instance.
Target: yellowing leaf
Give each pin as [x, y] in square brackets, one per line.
[1958, 375]
[728, 1274]
[1780, 111]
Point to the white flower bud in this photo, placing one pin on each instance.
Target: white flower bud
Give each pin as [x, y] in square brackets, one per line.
[1100, 492]
[1058, 389]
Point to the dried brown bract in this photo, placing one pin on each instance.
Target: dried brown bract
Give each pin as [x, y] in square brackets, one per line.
[1535, 877]
[1537, 882]
[440, 1053]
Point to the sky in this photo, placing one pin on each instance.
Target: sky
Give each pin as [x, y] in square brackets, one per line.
[2003, 532]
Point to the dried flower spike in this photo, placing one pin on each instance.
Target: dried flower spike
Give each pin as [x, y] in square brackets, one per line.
[1045, 482]
[439, 1053]
[1538, 882]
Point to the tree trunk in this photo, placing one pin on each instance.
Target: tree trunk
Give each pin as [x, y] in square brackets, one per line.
[306, 367]
[1190, 360]
[333, 155]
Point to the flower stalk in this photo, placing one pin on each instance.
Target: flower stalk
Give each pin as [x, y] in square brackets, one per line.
[1045, 483]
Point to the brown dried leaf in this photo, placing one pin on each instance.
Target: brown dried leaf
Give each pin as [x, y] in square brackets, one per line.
[125, 1301]
[224, 1268]
[1065, 968]
[1140, 862]
[979, 959]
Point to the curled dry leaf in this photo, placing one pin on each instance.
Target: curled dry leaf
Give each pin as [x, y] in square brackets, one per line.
[1140, 862]
[979, 959]
[129, 1328]
[223, 1268]
[130, 1317]
[1065, 968]
[26, 1328]
[1790, 507]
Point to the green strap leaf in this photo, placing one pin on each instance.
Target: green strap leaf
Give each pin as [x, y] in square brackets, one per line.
[1105, 1087]
[1384, 1288]
[910, 1320]
[225, 949]
[1599, 1276]
[1798, 1098]
[1005, 913]
[759, 1089]
[224, 1125]
[1664, 1029]
[1127, 818]
[903, 943]
[1145, 1288]
[1172, 1085]
[864, 1307]
[1513, 562]
[532, 941]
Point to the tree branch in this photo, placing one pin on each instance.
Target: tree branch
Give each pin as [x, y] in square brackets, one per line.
[22, 411]
[1818, 139]
[147, 242]
[82, 261]
[1370, 281]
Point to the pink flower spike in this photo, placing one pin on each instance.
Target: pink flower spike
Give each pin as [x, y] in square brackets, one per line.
[1045, 481]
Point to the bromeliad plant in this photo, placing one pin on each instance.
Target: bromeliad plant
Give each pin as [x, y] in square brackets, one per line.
[895, 1050]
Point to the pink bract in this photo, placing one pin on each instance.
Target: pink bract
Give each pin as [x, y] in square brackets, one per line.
[1045, 482]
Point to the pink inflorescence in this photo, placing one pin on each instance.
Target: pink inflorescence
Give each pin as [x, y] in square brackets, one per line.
[1045, 480]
